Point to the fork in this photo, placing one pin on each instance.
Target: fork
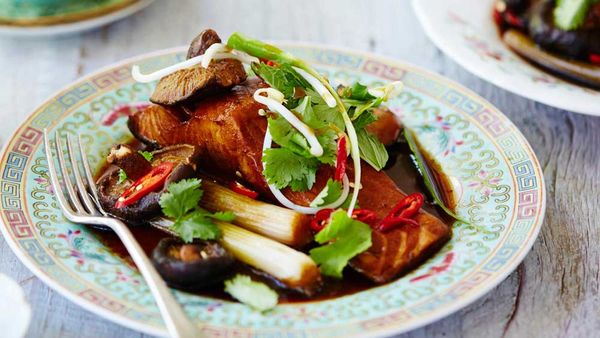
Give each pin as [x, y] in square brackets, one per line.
[80, 205]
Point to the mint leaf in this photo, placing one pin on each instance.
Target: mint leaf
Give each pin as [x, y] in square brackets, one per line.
[146, 154]
[347, 238]
[283, 168]
[371, 150]
[364, 120]
[254, 294]
[329, 116]
[181, 197]
[570, 14]
[122, 176]
[329, 194]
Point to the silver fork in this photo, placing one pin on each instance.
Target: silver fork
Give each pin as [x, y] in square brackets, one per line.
[80, 205]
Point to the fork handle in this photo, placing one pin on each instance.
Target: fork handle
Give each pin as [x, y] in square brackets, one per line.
[172, 313]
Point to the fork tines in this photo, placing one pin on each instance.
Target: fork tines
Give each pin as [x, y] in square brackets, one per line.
[81, 198]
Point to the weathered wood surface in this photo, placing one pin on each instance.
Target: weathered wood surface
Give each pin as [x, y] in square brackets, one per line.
[554, 293]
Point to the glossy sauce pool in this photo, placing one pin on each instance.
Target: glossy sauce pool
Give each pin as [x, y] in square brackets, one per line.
[400, 168]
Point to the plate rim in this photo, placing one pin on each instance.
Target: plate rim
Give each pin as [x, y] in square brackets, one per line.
[75, 26]
[514, 88]
[417, 323]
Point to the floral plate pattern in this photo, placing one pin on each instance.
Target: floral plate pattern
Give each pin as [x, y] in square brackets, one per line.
[465, 31]
[500, 184]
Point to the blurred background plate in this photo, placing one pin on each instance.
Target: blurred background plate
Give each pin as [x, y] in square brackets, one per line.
[55, 17]
[465, 31]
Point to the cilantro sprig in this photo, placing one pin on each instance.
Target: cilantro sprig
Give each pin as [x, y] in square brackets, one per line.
[122, 176]
[254, 294]
[148, 156]
[180, 202]
[343, 239]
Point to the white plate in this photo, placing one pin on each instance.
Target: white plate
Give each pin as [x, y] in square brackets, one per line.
[76, 26]
[465, 31]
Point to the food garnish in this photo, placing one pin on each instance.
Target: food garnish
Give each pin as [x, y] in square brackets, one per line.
[122, 176]
[342, 238]
[243, 190]
[146, 154]
[146, 184]
[180, 202]
[403, 212]
[254, 294]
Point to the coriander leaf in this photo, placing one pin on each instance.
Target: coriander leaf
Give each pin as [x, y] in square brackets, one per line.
[181, 197]
[308, 114]
[122, 176]
[196, 225]
[254, 294]
[347, 238]
[284, 134]
[371, 150]
[570, 14]
[364, 120]
[282, 77]
[330, 116]
[357, 92]
[283, 168]
[224, 216]
[146, 154]
[329, 194]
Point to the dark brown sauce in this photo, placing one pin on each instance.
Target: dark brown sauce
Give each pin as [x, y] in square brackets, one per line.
[400, 168]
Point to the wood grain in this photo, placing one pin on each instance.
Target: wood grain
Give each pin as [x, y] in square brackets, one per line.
[554, 293]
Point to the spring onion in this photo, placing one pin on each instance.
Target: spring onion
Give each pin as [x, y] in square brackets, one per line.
[428, 176]
[281, 224]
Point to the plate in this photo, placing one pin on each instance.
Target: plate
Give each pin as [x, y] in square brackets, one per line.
[501, 193]
[464, 30]
[75, 17]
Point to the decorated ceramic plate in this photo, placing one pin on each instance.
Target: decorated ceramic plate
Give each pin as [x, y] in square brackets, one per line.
[50, 17]
[466, 32]
[500, 192]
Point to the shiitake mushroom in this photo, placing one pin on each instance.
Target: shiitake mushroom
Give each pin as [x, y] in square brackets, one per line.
[193, 265]
[192, 83]
[202, 41]
[185, 157]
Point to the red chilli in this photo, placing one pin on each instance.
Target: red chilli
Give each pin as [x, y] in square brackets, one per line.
[242, 190]
[403, 212]
[148, 183]
[341, 159]
[322, 217]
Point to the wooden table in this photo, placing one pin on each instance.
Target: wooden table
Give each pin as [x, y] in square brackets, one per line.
[553, 293]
